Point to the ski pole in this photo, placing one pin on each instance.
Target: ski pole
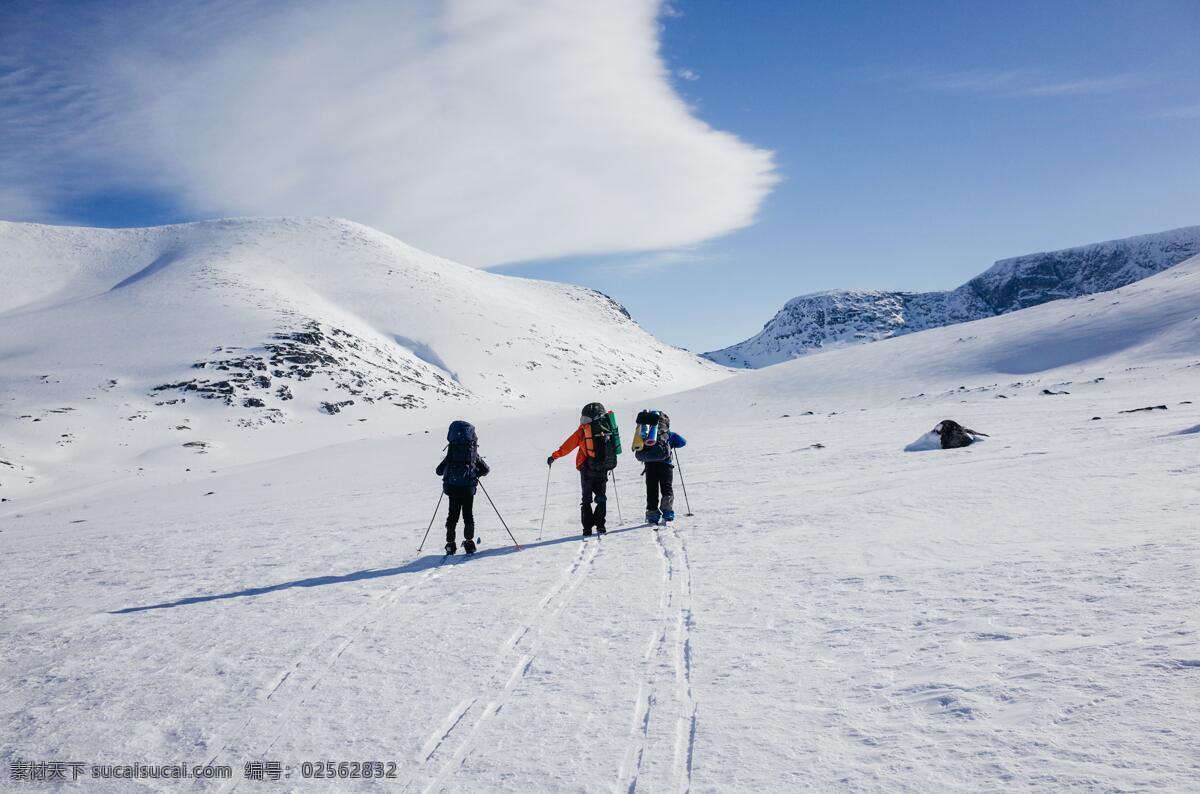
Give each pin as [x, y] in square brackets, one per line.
[545, 501]
[684, 484]
[617, 495]
[493, 504]
[435, 512]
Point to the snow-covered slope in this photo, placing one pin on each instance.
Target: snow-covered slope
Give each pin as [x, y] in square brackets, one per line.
[1154, 320]
[837, 615]
[246, 337]
[848, 317]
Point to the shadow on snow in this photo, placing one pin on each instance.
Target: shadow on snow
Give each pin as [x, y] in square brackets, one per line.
[416, 566]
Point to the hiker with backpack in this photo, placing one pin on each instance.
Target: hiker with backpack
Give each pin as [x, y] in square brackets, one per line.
[597, 443]
[653, 442]
[460, 471]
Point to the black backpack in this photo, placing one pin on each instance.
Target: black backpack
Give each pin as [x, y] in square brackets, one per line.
[655, 430]
[601, 443]
[954, 435]
[461, 453]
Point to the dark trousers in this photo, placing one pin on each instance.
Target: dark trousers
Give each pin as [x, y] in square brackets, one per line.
[660, 477]
[462, 500]
[593, 485]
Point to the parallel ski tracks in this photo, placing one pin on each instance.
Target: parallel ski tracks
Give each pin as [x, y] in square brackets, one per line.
[669, 647]
[292, 685]
[674, 621]
[512, 663]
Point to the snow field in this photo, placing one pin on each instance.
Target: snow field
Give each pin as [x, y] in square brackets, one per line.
[1015, 613]
[838, 614]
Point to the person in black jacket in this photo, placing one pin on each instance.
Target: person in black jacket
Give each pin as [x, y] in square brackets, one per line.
[460, 471]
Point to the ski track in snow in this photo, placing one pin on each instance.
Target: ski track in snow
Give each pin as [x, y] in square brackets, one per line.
[685, 719]
[505, 676]
[307, 672]
[675, 619]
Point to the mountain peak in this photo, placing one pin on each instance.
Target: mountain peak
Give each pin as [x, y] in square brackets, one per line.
[840, 318]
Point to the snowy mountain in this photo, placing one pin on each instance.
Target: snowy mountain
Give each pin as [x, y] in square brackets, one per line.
[838, 614]
[841, 318]
[177, 340]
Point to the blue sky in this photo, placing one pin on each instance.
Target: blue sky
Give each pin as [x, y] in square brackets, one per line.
[919, 142]
[822, 145]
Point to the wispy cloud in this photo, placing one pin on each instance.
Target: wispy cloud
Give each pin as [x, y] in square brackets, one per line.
[1186, 112]
[1010, 82]
[483, 130]
[638, 264]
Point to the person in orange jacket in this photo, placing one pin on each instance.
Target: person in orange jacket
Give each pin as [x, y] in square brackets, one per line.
[593, 477]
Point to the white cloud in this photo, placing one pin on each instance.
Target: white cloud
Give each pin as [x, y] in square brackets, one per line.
[483, 130]
[688, 74]
[639, 264]
[1011, 82]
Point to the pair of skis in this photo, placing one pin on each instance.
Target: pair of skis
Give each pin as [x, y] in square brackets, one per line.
[465, 555]
[622, 529]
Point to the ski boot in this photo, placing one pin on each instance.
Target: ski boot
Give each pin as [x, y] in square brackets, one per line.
[451, 548]
[653, 518]
[668, 516]
[468, 546]
[601, 531]
[587, 532]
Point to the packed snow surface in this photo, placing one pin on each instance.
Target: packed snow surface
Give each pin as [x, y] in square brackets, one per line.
[837, 615]
[842, 318]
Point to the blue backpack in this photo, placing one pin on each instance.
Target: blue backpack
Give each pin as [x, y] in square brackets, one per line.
[654, 428]
[462, 450]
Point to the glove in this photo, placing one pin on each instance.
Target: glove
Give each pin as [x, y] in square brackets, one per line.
[550, 461]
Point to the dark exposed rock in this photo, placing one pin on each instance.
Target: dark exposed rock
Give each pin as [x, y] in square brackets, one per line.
[1147, 408]
[355, 366]
[333, 408]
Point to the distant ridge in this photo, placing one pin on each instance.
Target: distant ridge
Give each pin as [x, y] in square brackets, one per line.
[840, 318]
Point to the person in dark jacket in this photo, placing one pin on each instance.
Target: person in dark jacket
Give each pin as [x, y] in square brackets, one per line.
[460, 471]
[660, 479]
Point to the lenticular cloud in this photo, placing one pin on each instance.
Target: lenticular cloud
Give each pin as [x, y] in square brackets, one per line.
[487, 131]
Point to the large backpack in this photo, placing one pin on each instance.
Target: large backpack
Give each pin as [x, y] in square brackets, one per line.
[654, 431]
[601, 440]
[462, 450]
[953, 435]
